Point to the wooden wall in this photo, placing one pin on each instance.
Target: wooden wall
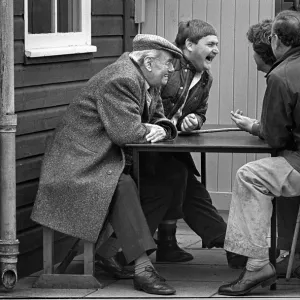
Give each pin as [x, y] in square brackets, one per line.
[43, 89]
[282, 5]
[237, 84]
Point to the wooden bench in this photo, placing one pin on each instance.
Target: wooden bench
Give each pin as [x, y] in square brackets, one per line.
[50, 278]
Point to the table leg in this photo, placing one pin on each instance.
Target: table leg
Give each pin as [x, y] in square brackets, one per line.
[136, 167]
[203, 168]
[273, 232]
[273, 238]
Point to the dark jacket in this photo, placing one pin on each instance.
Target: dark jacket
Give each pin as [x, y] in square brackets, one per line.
[82, 166]
[280, 118]
[174, 94]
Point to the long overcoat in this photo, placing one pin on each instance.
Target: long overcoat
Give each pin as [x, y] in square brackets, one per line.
[85, 158]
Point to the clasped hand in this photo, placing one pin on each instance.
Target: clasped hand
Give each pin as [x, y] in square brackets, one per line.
[156, 134]
[243, 122]
[189, 123]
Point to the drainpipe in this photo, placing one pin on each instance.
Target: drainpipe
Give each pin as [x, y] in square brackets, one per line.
[9, 245]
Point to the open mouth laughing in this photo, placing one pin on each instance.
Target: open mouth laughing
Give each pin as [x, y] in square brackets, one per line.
[210, 58]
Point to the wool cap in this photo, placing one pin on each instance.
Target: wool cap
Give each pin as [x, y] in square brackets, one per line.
[150, 41]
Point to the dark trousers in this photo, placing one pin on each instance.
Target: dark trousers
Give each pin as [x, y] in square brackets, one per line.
[158, 194]
[173, 187]
[128, 220]
[201, 215]
[287, 211]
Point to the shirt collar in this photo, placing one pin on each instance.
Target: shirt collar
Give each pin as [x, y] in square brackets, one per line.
[147, 85]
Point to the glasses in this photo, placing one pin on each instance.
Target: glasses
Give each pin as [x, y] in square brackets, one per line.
[270, 37]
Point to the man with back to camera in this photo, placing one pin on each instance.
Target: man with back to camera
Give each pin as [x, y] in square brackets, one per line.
[259, 181]
[287, 209]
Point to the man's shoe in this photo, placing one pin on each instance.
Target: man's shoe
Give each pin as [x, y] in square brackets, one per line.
[113, 267]
[282, 264]
[236, 261]
[249, 280]
[152, 283]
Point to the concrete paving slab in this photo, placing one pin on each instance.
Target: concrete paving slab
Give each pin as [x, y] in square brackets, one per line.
[186, 240]
[184, 289]
[197, 273]
[23, 290]
[205, 257]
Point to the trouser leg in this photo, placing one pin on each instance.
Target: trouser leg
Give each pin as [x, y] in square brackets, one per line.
[201, 215]
[163, 192]
[287, 211]
[128, 220]
[250, 213]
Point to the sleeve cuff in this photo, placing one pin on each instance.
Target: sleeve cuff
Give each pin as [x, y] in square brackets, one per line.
[169, 127]
[255, 129]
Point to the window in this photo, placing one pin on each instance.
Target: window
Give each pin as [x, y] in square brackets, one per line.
[57, 27]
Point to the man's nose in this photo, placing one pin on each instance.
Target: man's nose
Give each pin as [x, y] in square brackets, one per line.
[171, 68]
[216, 50]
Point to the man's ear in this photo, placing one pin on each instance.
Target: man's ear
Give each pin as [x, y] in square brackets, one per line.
[188, 45]
[148, 63]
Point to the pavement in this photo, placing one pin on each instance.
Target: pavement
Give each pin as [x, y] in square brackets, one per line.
[197, 279]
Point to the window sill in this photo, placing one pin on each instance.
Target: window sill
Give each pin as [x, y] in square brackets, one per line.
[44, 52]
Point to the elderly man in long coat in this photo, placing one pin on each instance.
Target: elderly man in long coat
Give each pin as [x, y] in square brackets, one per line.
[84, 182]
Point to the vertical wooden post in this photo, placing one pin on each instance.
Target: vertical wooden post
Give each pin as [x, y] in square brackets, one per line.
[88, 258]
[126, 25]
[48, 250]
[8, 122]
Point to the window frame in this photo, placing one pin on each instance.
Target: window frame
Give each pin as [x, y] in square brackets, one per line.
[60, 43]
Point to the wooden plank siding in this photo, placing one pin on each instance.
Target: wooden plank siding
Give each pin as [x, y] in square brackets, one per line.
[237, 84]
[43, 89]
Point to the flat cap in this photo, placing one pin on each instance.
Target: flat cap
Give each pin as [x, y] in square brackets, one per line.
[150, 41]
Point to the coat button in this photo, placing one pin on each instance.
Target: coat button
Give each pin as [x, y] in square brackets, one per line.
[181, 87]
[109, 172]
[185, 70]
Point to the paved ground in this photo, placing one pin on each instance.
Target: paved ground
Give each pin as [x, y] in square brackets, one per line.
[199, 278]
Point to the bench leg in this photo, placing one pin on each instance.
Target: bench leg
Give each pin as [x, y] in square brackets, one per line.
[66, 281]
[294, 243]
[88, 258]
[48, 247]
[273, 239]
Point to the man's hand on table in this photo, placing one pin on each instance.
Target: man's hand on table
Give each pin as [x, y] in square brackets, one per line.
[189, 123]
[156, 134]
[242, 122]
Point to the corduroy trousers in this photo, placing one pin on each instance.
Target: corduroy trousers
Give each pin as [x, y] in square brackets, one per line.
[256, 184]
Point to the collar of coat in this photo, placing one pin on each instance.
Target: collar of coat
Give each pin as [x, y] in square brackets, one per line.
[289, 53]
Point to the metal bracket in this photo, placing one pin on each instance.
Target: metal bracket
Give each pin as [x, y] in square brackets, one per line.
[8, 123]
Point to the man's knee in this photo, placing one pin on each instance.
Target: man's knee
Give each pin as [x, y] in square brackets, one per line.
[243, 172]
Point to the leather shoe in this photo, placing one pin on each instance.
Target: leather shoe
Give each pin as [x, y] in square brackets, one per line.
[113, 267]
[249, 280]
[152, 283]
[282, 264]
[236, 261]
[171, 252]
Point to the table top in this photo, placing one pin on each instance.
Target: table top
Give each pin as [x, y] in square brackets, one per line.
[232, 141]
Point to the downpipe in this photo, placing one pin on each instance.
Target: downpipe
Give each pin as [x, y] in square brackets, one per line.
[9, 245]
[8, 263]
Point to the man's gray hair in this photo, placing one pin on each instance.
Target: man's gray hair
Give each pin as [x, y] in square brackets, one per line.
[139, 56]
